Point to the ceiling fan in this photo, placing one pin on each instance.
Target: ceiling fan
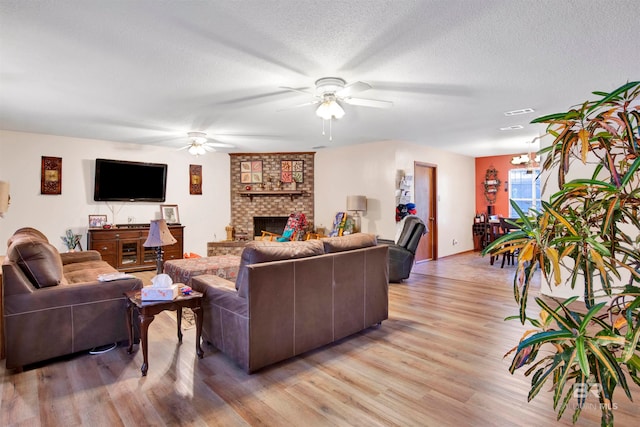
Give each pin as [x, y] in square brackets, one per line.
[330, 92]
[198, 144]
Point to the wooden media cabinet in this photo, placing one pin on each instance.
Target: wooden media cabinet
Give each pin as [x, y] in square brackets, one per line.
[122, 246]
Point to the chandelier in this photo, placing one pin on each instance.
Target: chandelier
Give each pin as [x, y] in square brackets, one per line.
[524, 159]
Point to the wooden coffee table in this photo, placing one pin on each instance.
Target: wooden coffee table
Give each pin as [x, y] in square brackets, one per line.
[148, 310]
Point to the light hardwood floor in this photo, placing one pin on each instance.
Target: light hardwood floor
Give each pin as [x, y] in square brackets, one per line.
[437, 361]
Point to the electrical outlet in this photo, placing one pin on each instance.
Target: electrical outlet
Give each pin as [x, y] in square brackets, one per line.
[455, 242]
[131, 220]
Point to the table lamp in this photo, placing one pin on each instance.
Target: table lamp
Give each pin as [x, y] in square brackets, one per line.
[356, 204]
[159, 236]
[4, 198]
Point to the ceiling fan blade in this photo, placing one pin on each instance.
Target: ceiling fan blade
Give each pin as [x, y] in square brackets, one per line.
[183, 148]
[305, 90]
[317, 101]
[218, 144]
[353, 88]
[208, 148]
[375, 103]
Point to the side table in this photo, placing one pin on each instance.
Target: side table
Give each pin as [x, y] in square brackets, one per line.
[148, 310]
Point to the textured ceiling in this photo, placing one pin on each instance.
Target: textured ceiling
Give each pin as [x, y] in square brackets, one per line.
[149, 71]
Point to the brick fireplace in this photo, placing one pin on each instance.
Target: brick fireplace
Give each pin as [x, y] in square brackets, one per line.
[264, 200]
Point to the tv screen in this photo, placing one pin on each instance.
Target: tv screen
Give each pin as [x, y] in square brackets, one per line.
[119, 180]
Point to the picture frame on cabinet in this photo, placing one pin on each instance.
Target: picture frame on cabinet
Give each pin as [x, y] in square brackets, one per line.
[170, 214]
[97, 221]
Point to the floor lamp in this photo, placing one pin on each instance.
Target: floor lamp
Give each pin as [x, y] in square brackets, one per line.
[356, 204]
[159, 236]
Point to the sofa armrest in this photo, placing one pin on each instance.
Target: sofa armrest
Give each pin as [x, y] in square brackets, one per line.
[220, 292]
[69, 295]
[71, 257]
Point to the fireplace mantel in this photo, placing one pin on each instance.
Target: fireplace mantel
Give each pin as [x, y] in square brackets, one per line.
[290, 193]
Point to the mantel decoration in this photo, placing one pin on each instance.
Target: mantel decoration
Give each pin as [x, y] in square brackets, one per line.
[195, 179]
[251, 172]
[292, 171]
[491, 183]
[589, 230]
[51, 175]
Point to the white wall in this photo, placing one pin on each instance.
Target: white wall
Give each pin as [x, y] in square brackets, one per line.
[370, 170]
[367, 169]
[204, 216]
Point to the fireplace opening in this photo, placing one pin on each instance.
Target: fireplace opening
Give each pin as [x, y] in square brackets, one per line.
[272, 224]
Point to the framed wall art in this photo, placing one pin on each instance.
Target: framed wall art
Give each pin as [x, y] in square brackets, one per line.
[51, 175]
[170, 214]
[251, 172]
[292, 171]
[195, 179]
[97, 221]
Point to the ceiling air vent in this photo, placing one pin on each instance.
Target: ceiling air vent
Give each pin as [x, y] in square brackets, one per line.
[518, 112]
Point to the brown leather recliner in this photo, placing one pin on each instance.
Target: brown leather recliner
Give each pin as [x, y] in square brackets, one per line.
[403, 252]
[54, 304]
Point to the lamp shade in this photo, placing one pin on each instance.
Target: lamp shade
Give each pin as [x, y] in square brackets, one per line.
[159, 234]
[356, 203]
[4, 197]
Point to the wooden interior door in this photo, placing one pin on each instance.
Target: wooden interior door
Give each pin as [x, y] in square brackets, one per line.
[425, 199]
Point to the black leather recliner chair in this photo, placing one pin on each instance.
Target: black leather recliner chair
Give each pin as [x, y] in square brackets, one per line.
[402, 253]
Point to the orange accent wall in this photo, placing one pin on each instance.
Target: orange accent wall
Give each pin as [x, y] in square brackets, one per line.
[502, 164]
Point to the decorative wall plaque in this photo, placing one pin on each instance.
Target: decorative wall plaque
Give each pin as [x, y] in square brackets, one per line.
[195, 179]
[51, 175]
[292, 171]
[251, 172]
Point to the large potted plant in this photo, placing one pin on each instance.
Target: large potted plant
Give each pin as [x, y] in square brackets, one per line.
[587, 235]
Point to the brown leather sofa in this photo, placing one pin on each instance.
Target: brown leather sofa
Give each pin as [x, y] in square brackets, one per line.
[293, 297]
[53, 303]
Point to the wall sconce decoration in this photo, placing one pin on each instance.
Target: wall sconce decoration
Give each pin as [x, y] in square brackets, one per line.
[51, 175]
[491, 183]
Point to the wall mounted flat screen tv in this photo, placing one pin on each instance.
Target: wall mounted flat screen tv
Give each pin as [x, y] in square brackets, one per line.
[119, 180]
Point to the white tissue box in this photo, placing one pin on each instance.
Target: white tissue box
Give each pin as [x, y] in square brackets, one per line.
[150, 293]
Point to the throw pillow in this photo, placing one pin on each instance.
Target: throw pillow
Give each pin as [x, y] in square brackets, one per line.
[39, 261]
[348, 242]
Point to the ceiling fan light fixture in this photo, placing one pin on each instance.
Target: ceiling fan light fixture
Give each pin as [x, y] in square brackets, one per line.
[330, 109]
[196, 149]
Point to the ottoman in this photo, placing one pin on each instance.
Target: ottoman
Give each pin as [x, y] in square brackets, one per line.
[182, 270]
